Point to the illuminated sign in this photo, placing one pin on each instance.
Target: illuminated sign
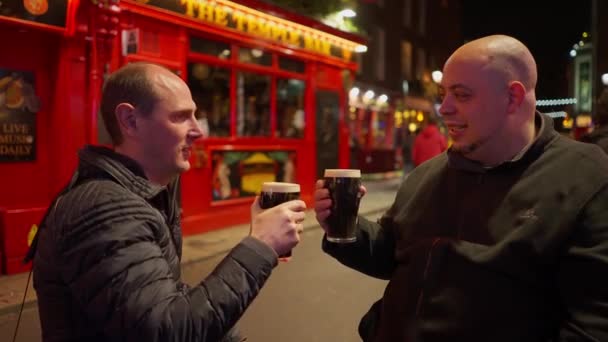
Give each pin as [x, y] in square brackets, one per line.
[583, 120]
[18, 107]
[244, 19]
[237, 174]
[41, 11]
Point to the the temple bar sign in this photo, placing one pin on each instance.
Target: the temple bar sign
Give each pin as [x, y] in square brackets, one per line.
[261, 25]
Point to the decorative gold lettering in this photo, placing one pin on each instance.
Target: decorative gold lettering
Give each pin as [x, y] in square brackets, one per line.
[16, 150]
[14, 139]
[205, 12]
[14, 128]
[252, 25]
[324, 47]
[309, 42]
[190, 4]
[346, 54]
[264, 29]
[278, 33]
[260, 26]
[239, 18]
[294, 37]
[221, 16]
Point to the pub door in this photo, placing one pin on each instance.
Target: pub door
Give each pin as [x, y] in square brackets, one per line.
[328, 108]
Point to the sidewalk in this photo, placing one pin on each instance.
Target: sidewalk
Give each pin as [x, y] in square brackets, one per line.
[381, 194]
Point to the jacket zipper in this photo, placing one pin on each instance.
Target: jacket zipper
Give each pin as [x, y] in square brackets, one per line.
[425, 275]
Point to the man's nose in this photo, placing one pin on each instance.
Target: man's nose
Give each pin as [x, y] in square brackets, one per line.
[446, 107]
[196, 131]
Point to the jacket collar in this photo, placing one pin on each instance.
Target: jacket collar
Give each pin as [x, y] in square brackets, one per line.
[98, 161]
[546, 135]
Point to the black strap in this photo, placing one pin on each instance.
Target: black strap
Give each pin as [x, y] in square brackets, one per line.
[32, 250]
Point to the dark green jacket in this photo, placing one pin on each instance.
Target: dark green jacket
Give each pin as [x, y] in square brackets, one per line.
[107, 263]
[518, 252]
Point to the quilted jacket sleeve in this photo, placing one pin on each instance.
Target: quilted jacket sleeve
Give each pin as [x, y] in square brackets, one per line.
[114, 266]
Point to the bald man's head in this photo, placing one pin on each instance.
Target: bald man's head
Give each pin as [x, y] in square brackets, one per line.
[505, 56]
[133, 84]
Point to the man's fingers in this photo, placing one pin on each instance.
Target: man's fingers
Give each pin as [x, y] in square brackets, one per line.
[294, 205]
[321, 194]
[362, 191]
[323, 204]
[320, 184]
[255, 206]
[298, 216]
[322, 215]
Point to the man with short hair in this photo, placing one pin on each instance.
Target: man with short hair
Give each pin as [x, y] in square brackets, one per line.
[107, 256]
[502, 238]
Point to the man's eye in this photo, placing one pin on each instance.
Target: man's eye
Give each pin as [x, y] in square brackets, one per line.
[181, 117]
[461, 96]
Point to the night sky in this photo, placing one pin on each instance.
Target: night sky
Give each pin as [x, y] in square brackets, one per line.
[548, 28]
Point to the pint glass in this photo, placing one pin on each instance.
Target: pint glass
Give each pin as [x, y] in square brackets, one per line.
[343, 186]
[275, 193]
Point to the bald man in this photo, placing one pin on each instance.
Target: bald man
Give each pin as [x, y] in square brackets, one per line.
[107, 256]
[504, 237]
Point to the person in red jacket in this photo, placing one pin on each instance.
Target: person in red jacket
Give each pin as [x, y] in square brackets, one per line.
[429, 143]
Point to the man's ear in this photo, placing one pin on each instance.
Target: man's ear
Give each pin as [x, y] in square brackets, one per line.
[517, 93]
[126, 117]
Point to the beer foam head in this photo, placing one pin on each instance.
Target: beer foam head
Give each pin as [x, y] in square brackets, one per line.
[343, 173]
[280, 187]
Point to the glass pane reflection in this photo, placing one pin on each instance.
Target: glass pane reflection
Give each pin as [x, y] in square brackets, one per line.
[290, 108]
[210, 87]
[255, 56]
[253, 104]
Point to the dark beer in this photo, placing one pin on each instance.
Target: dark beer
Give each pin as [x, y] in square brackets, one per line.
[343, 186]
[275, 193]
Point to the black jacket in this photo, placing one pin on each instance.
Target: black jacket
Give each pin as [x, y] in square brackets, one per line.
[107, 263]
[599, 137]
[518, 252]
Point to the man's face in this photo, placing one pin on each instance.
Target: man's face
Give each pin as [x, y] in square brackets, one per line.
[168, 133]
[473, 107]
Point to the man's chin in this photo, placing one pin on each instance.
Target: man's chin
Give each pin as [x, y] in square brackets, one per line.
[183, 167]
[463, 149]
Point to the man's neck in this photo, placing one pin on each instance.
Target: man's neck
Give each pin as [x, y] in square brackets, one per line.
[507, 147]
[151, 174]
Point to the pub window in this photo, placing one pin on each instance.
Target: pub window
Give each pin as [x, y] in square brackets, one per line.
[210, 87]
[210, 47]
[380, 126]
[253, 104]
[255, 56]
[290, 108]
[292, 65]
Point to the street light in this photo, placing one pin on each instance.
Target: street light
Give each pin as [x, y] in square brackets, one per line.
[605, 79]
[437, 76]
[360, 48]
[382, 99]
[347, 13]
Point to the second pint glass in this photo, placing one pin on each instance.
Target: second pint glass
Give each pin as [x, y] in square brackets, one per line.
[343, 186]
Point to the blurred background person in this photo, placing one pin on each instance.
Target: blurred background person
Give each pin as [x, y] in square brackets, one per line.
[599, 135]
[429, 143]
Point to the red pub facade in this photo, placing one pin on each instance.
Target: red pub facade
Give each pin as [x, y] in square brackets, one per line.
[270, 88]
